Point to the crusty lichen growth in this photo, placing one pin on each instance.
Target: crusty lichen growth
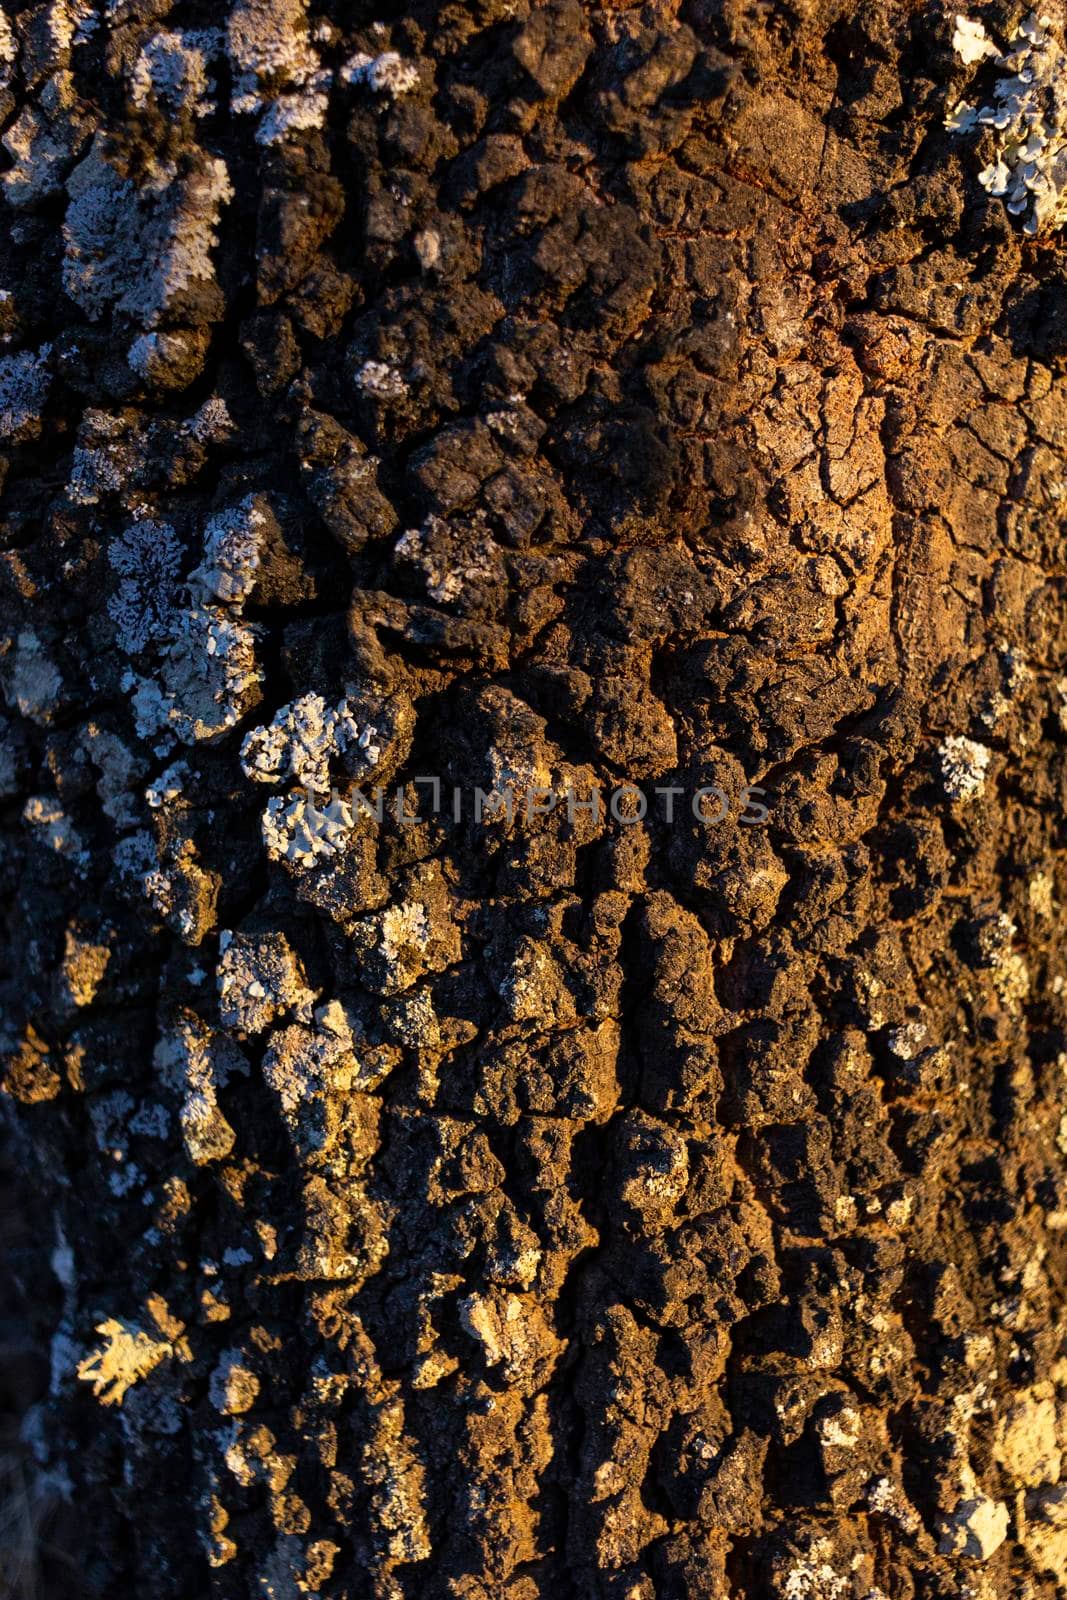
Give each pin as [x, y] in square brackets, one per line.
[207, 677]
[137, 250]
[233, 551]
[195, 1063]
[397, 1485]
[45, 136]
[31, 681]
[297, 830]
[127, 1355]
[386, 74]
[1027, 118]
[268, 45]
[276, 68]
[172, 73]
[301, 741]
[415, 935]
[25, 380]
[308, 1068]
[147, 557]
[259, 979]
[964, 767]
[660, 1154]
[233, 1386]
[104, 455]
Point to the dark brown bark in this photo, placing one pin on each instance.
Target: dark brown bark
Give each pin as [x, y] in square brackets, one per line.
[569, 1203]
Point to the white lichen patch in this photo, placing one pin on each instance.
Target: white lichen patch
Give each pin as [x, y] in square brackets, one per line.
[276, 69]
[104, 456]
[166, 358]
[296, 113]
[25, 380]
[135, 251]
[299, 743]
[386, 74]
[206, 1134]
[171, 72]
[417, 934]
[168, 787]
[535, 988]
[398, 1490]
[233, 551]
[1010, 974]
[127, 1355]
[259, 979]
[43, 139]
[147, 557]
[207, 681]
[971, 42]
[181, 892]
[131, 858]
[1015, 675]
[1027, 117]
[295, 829]
[405, 928]
[887, 1499]
[31, 680]
[211, 423]
[207, 677]
[447, 563]
[380, 380]
[964, 767]
[307, 1068]
[268, 43]
[64, 23]
[195, 1063]
[109, 1115]
[814, 1577]
[119, 769]
[909, 1040]
[413, 1022]
[841, 1430]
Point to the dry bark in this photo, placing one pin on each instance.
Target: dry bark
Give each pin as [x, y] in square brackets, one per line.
[564, 1205]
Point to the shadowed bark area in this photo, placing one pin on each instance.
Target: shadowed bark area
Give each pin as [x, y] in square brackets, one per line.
[559, 1199]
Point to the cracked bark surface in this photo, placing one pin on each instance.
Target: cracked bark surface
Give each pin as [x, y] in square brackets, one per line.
[568, 1206]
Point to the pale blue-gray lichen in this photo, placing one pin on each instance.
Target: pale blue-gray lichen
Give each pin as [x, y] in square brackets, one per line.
[1027, 116]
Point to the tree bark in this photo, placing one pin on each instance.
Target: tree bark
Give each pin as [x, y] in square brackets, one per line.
[623, 1154]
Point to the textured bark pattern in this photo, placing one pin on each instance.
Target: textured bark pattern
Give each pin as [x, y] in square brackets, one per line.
[562, 394]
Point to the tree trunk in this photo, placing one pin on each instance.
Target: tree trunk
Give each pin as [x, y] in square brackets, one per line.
[534, 567]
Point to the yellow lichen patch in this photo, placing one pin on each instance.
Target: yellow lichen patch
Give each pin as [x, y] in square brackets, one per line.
[26, 1074]
[84, 965]
[127, 1355]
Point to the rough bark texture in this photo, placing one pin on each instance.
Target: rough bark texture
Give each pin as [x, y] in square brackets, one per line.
[545, 394]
